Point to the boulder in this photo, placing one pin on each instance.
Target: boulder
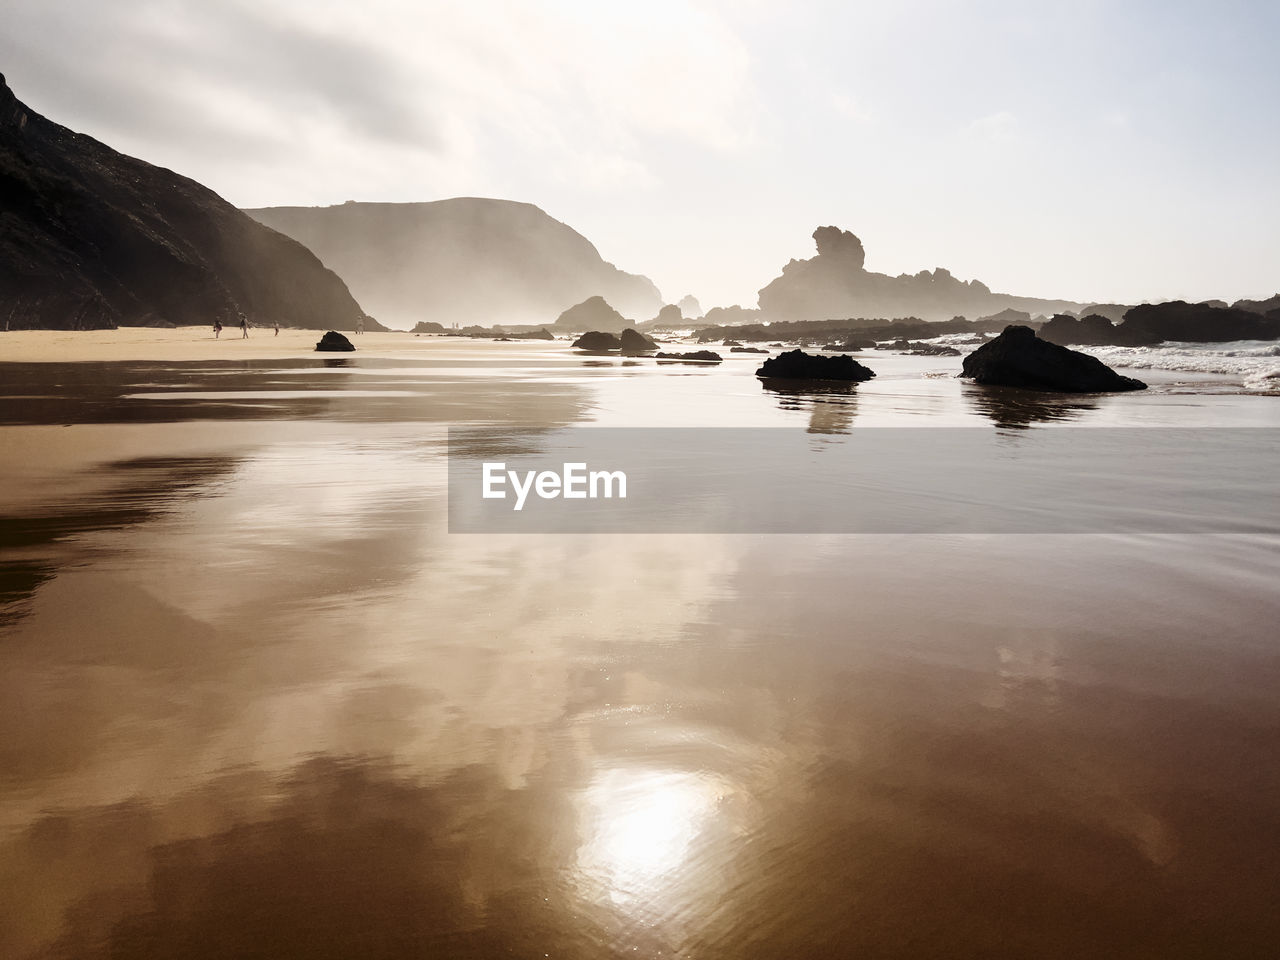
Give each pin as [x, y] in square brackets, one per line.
[597, 341]
[428, 326]
[798, 365]
[1018, 358]
[334, 342]
[748, 350]
[635, 344]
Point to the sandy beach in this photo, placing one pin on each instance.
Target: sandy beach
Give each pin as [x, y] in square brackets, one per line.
[181, 343]
[238, 640]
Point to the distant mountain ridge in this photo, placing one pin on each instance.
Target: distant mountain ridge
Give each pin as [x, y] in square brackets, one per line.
[836, 284]
[466, 260]
[91, 239]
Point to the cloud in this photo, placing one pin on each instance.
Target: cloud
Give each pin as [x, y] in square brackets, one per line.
[321, 99]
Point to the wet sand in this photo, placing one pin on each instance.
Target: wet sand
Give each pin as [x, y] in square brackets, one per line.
[256, 700]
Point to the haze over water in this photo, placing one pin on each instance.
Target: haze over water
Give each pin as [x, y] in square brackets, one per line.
[256, 700]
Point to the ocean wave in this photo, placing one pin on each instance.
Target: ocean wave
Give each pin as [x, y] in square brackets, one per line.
[1255, 362]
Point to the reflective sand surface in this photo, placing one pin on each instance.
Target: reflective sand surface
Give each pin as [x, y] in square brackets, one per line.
[256, 701]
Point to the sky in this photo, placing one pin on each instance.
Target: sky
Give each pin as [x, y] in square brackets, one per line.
[1095, 151]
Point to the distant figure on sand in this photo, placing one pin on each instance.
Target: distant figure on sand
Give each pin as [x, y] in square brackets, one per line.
[217, 329]
[244, 327]
[277, 329]
[359, 324]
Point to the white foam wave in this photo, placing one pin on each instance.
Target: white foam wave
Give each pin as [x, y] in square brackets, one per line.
[1256, 363]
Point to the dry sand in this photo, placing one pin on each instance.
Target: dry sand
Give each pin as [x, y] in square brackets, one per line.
[186, 343]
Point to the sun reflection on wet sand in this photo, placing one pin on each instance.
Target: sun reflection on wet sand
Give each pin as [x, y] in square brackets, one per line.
[640, 829]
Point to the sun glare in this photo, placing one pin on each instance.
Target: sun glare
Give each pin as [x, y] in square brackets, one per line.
[639, 830]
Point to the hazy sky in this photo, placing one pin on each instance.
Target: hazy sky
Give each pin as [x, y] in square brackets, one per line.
[1088, 150]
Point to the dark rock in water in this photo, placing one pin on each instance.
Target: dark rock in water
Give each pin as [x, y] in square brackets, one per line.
[541, 334]
[597, 341]
[635, 344]
[335, 342]
[1093, 330]
[92, 239]
[428, 326]
[748, 350]
[591, 314]
[1018, 358]
[1150, 323]
[697, 356]
[798, 365]
[731, 343]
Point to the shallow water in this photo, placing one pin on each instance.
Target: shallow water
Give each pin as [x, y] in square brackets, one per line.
[256, 700]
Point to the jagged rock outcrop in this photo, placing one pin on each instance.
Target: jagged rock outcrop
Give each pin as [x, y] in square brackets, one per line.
[798, 365]
[334, 342]
[594, 313]
[428, 326]
[836, 283]
[597, 341]
[466, 260]
[1018, 358]
[91, 238]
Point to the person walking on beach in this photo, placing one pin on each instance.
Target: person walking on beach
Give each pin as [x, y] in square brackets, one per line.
[244, 327]
[217, 329]
[277, 329]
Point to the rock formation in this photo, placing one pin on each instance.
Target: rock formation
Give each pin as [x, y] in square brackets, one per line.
[1018, 358]
[635, 344]
[334, 342]
[836, 283]
[798, 365]
[668, 316]
[689, 306]
[594, 313]
[92, 238]
[1259, 306]
[1152, 323]
[466, 260]
[597, 341]
[694, 356]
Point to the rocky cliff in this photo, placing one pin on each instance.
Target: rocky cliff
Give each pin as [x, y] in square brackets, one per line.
[91, 239]
[466, 261]
[836, 283]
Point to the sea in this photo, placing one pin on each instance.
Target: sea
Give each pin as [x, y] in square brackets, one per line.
[262, 694]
